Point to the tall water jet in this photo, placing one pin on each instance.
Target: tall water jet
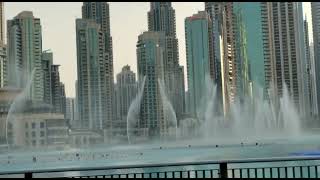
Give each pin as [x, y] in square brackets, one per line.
[170, 119]
[290, 117]
[207, 110]
[253, 116]
[17, 106]
[134, 110]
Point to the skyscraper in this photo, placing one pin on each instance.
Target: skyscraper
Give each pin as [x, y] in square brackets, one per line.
[24, 54]
[225, 60]
[99, 12]
[285, 56]
[199, 50]
[214, 11]
[161, 17]
[91, 60]
[315, 9]
[150, 60]
[126, 92]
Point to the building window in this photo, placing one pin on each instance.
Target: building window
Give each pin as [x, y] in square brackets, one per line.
[42, 142]
[42, 125]
[33, 125]
[33, 143]
[27, 135]
[42, 134]
[27, 126]
[33, 134]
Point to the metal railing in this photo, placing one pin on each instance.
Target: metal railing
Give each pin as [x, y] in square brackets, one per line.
[257, 168]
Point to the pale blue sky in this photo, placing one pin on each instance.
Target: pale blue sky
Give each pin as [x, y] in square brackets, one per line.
[128, 20]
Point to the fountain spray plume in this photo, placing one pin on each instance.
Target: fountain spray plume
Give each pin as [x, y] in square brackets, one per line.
[19, 103]
[134, 109]
[289, 115]
[169, 113]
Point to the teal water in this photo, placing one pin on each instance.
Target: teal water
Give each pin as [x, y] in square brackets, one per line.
[182, 151]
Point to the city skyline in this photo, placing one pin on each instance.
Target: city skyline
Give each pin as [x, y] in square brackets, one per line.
[122, 38]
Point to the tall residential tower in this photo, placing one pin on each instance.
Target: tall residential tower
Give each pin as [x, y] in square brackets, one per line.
[24, 51]
[99, 13]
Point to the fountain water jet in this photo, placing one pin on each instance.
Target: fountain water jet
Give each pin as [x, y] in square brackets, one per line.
[251, 117]
[18, 104]
[169, 113]
[134, 109]
[290, 117]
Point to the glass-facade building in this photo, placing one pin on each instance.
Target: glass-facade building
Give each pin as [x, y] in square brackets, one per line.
[198, 58]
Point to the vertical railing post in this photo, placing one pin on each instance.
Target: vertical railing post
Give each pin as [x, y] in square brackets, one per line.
[223, 170]
[28, 175]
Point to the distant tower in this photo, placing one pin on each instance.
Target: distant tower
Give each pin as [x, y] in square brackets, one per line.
[47, 63]
[126, 92]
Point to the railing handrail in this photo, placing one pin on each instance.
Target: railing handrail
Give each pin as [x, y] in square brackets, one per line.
[159, 165]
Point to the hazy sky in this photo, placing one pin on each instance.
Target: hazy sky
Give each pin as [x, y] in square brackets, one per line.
[128, 20]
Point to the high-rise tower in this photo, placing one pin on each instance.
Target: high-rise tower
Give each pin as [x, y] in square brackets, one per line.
[199, 55]
[150, 60]
[25, 48]
[161, 17]
[99, 13]
[91, 85]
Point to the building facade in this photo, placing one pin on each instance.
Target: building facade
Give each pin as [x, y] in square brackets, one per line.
[285, 54]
